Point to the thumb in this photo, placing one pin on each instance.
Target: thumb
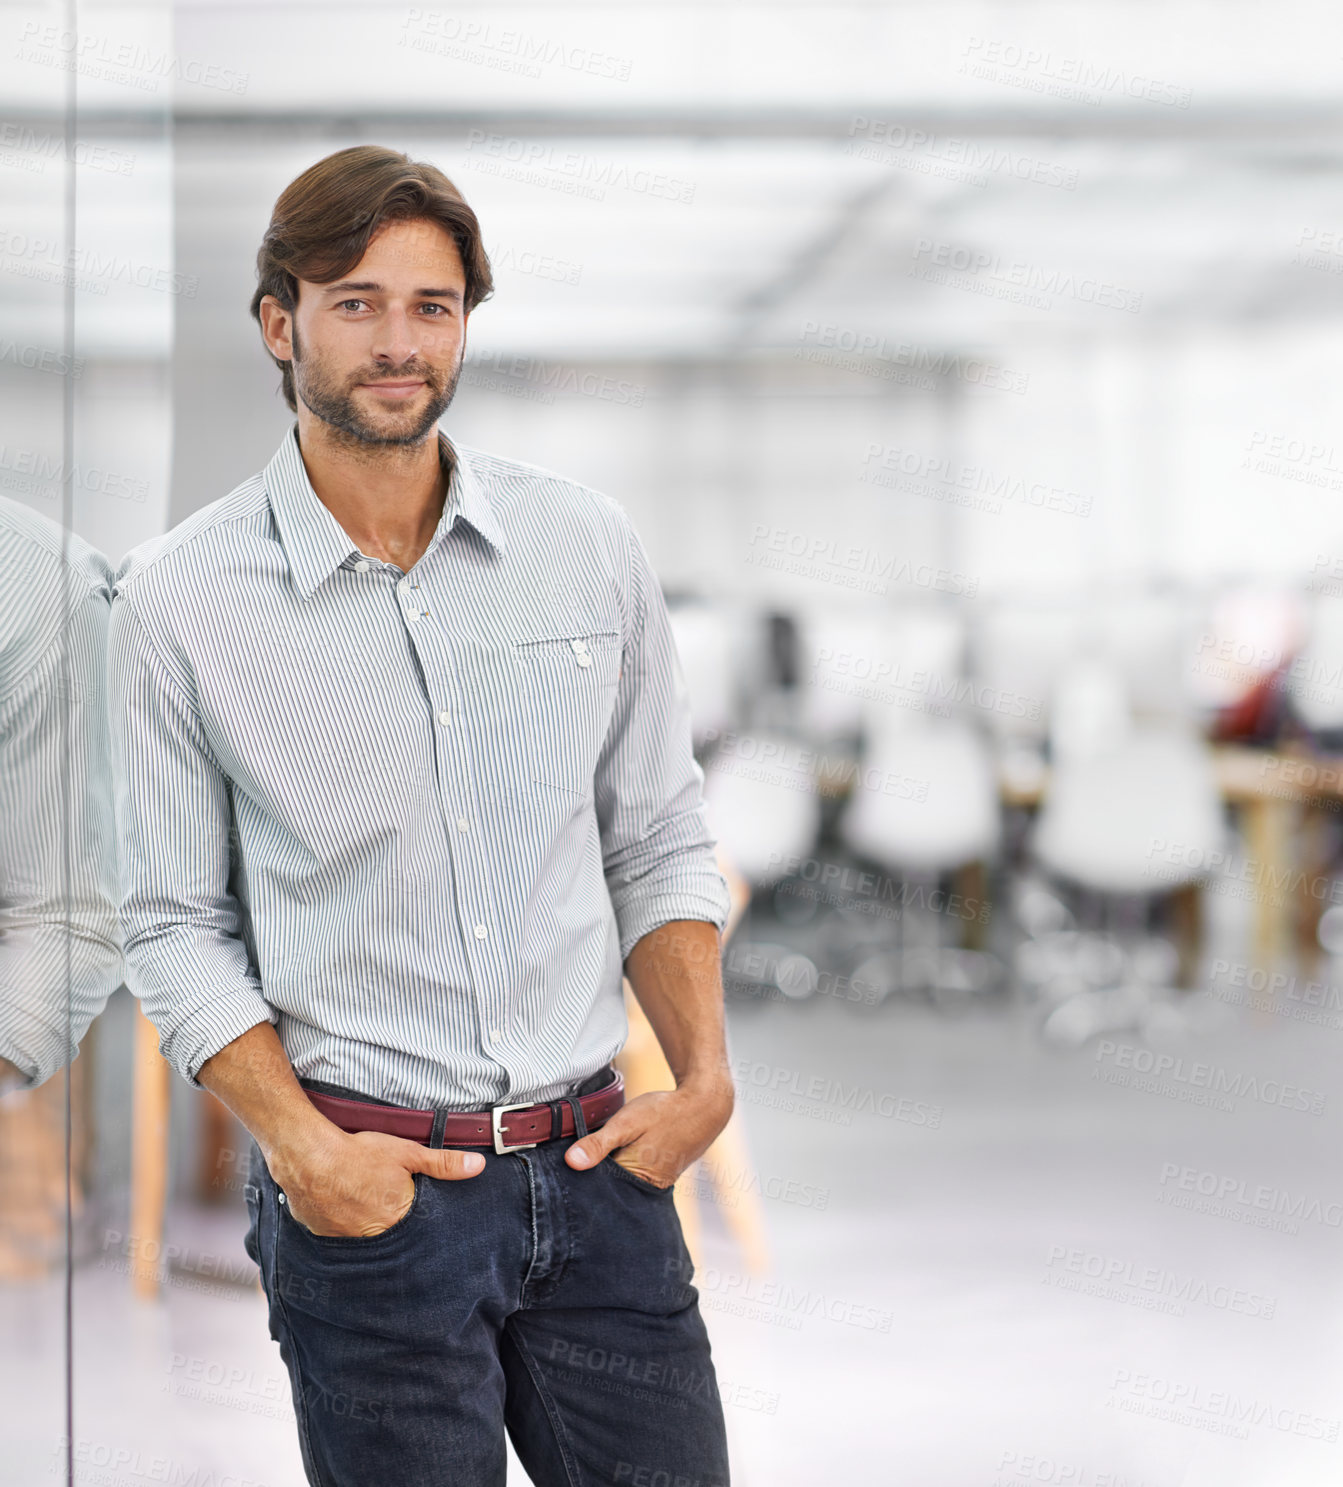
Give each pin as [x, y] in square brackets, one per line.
[592, 1148]
[444, 1162]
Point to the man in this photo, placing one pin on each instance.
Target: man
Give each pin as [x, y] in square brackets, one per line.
[60, 958]
[403, 782]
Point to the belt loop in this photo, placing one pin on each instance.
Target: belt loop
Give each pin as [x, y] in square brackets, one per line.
[556, 1118]
[439, 1127]
[580, 1120]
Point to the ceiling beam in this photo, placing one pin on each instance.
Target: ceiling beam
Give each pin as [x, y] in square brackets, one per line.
[1321, 122]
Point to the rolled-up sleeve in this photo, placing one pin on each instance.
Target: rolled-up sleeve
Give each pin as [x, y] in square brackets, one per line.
[657, 850]
[182, 927]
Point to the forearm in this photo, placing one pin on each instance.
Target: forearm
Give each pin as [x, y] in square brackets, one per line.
[252, 1075]
[335, 1184]
[676, 974]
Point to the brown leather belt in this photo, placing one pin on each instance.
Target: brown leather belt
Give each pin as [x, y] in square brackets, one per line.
[505, 1127]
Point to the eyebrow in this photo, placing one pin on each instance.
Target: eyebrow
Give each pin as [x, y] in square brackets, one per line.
[347, 286]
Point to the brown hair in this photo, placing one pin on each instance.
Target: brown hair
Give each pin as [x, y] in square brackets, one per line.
[325, 218]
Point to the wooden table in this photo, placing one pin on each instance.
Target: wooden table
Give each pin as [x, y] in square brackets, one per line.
[1282, 796]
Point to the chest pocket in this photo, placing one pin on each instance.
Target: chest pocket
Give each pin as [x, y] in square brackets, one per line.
[570, 682]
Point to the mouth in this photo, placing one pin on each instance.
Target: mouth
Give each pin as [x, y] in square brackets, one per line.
[395, 389]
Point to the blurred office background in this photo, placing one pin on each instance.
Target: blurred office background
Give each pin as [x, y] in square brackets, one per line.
[972, 374]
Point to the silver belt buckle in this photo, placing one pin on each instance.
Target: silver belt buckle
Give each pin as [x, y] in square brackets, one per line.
[497, 1130]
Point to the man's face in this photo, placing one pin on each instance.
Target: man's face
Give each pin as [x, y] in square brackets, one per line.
[378, 353]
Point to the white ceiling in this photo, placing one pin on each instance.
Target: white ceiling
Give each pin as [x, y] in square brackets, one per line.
[761, 116]
[783, 234]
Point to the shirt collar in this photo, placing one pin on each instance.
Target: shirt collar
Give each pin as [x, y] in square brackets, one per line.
[316, 544]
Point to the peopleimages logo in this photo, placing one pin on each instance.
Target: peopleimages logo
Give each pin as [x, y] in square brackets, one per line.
[98, 268]
[940, 262]
[541, 163]
[919, 472]
[853, 565]
[1186, 1402]
[133, 1462]
[505, 48]
[821, 338]
[1113, 1277]
[841, 883]
[117, 60]
[30, 150]
[33, 472]
[1197, 1082]
[765, 1296]
[1227, 1196]
[948, 157]
[554, 377]
[1077, 79]
[41, 359]
[819, 1087]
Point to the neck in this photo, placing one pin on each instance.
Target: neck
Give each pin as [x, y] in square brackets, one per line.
[388, 498]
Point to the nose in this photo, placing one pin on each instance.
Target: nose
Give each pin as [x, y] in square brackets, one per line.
[396, 340]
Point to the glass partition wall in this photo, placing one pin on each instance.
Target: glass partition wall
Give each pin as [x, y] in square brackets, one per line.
[87, 295]
[942, 392]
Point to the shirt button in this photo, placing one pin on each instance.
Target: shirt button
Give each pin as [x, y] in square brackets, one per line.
[412, 615]
[362, 566]
[579, 646]
[481, 931]
[584, 659]
[463, 824]
[445, 716]
[495, 1034]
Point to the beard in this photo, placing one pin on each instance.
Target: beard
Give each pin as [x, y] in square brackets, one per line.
[332, 400]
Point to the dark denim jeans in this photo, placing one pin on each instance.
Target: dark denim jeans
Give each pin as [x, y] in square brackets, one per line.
[552, 1304]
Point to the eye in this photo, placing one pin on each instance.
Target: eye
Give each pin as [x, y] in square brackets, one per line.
[347, 302]
[443, 308]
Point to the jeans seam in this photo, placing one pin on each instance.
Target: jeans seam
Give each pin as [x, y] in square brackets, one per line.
[567, 1235]
[301, 1414]
[301, 1403]
[553, 1413]
[531, 1220]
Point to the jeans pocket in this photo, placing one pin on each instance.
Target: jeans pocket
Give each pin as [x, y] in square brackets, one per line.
[642, 1183]
[252, 1197]
[259, 1242]
[354, 1241]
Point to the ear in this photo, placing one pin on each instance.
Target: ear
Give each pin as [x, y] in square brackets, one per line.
[276, 328]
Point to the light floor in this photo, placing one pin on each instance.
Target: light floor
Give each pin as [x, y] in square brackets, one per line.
[1004, 1296]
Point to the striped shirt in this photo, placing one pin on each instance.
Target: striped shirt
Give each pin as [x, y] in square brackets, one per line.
[60, 957]
[416, 820]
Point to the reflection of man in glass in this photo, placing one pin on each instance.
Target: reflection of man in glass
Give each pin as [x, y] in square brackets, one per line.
[59, 953]
[404, 783]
